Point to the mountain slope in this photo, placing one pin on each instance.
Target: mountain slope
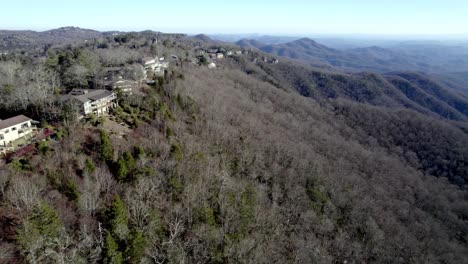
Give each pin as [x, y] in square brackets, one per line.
[250, 162]
[457, 102]
[250, 43]
[372, 88]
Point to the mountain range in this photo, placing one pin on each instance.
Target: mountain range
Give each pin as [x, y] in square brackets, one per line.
[416, 57]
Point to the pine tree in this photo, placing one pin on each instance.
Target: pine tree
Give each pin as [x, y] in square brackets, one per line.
[42, 227]
[122, 170]
[136, 248]
[46, 220]
[117, 218]
[111, 253]
[129, 161]
[105, 148]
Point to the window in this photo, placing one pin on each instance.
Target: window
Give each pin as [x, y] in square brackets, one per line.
[1, 137]
[6, 131]
[13, 129]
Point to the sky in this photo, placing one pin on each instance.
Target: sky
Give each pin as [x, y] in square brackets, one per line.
[286, 17]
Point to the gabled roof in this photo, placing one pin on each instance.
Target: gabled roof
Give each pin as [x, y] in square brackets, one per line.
[100, 95]
[93, 95]
[13, 121]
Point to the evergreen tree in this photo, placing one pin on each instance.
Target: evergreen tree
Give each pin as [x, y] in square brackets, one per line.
[111, 253]
[70, 190]
[105, 148]
[136, 248]
[38, 231]
[129, 161]
[45, 219]
[117, 218]
[122, 170]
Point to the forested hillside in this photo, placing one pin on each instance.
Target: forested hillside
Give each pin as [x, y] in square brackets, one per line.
[251, 161]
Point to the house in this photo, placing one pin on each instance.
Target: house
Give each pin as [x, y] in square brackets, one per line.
[219, 55]
[229, 53]
[125, 86]
[155, 65]
[98, 102]
[15, 132]
[118, 83]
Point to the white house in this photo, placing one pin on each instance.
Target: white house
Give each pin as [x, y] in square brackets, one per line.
[155, 65]
[98, 102]
[13, 129]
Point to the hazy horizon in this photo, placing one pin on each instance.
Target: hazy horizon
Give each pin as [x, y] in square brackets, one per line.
[463, 37]
[398, 18]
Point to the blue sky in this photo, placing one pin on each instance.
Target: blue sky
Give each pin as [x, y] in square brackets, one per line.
[292, 17]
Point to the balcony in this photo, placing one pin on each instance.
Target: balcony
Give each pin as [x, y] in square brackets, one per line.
[26, 130]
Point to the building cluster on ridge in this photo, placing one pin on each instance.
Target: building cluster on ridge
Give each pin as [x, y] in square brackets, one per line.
[19, 131]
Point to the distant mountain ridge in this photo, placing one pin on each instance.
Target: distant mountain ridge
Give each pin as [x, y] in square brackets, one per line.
[11, 40]
[405, 57]
[27, 39]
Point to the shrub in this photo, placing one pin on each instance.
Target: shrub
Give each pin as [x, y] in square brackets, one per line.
[20, 165]
[90, 167]
[70, 190]
[59, 134]
[316, 196]
[247, 210]
[176, 152]
[43, 147]
[138, 152]
[176, 188]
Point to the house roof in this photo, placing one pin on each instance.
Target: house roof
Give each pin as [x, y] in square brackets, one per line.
[82, 98]
[93, 95]
[13, 121]
[99, 94]
[120, 82]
